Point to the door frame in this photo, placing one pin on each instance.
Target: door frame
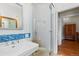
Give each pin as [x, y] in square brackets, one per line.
[54, 29]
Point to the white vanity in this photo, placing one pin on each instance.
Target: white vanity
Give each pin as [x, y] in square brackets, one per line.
[21, 48]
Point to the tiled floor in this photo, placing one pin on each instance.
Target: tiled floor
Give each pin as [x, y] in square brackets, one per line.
[41, 52]
[69, 48]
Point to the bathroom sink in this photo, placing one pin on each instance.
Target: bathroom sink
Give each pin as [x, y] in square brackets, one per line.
[22, 48]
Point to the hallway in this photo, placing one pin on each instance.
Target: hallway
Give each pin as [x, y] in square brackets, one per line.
[69, 48]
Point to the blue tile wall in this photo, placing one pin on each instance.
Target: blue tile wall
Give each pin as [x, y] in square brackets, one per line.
[5, 38]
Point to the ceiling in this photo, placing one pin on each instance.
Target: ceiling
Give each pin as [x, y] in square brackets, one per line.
[65, 6]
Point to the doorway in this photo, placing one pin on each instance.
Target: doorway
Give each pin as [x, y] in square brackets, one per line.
[70, 33]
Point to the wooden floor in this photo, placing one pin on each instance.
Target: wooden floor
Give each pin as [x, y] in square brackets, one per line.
[69, 48]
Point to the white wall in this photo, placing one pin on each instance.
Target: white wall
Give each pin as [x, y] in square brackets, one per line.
[27, 18]
[60, 30]
[41, 15]
[34, 17]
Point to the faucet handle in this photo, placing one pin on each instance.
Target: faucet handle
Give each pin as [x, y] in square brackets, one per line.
[12, 42]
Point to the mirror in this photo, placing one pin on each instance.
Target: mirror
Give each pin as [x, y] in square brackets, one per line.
[11, 16]
[8, 23]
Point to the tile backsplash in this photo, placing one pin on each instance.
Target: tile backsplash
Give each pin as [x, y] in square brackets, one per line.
[5, 38]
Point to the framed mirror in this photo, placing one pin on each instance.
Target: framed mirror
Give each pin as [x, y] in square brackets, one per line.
[8, 23]
[11, 16]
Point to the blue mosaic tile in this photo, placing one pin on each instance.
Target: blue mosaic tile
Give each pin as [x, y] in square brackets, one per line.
[27, 35]
[5, 38]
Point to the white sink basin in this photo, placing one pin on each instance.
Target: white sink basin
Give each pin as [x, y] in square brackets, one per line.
[22, 48]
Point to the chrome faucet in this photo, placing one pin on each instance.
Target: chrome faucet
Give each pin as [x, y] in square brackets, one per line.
[12, 42]
[17, 41]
